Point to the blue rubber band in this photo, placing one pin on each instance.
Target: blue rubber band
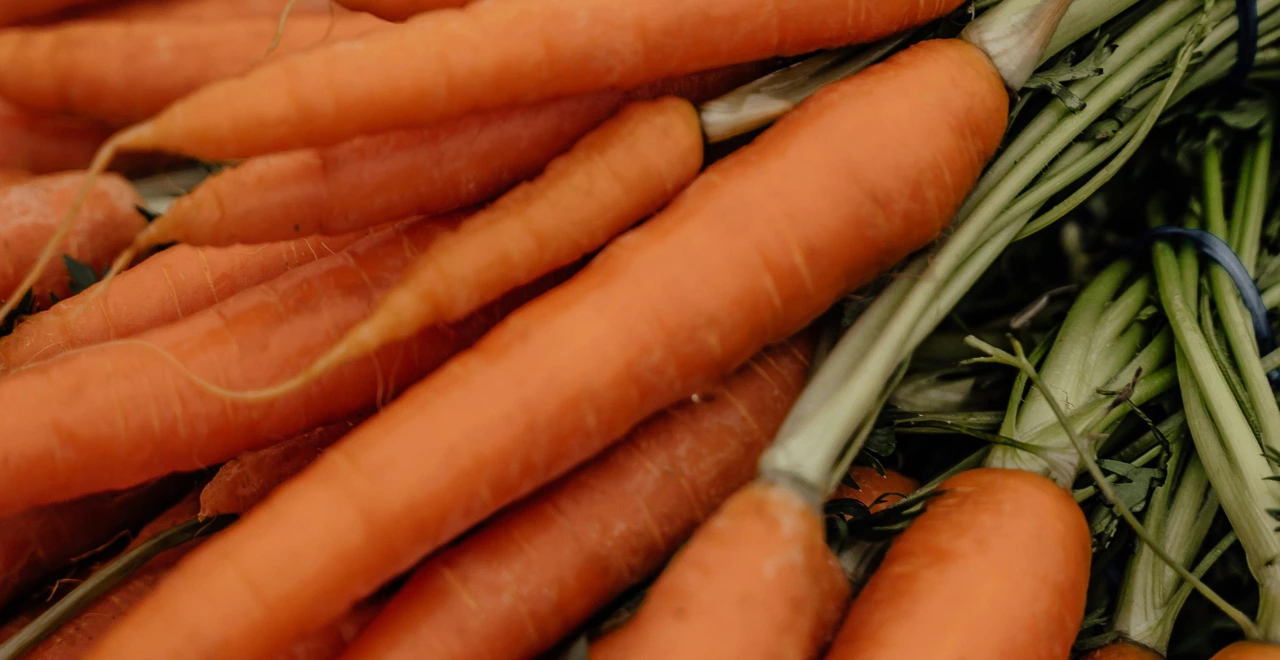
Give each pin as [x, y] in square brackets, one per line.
[1216, 249]
[1246, 41]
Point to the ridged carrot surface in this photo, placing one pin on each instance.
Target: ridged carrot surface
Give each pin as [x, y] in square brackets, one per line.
[996, 567]
[153, 419]
[529, 578]
[31, 210]
[169, 286]
[756, 248]
[757, 581]
[120, 72]
[335, 93]
[386, 177]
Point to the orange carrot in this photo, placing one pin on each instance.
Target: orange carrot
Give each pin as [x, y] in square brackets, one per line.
[1248, 651]
[38, 542]
[16, 11]
[528, 578]
[996, 567]
[133, 10]
[29, 214]
[344, 90]
[169, 286]
[245, 480]
[156, 420]
[121, 72]
[386, 177]
[614, 177]
[876, 490]
[330, 642]
[11, 176]
[41, 143]
[756, 248]
[399, 10]
[755, 579]
[1123, 650]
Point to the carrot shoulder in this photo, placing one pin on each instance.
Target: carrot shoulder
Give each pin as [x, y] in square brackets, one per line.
[29, 216]
[757, 247]
[996, 567]
[756, 581]
[120, 72]
[389, 176]
[168, 286]
[149, 417]
[342, 91]
[530, 577]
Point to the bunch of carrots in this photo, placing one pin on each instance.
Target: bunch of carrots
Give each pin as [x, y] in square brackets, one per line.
[574, 328]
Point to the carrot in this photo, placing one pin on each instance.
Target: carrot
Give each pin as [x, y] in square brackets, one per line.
[614, 177]
[766, 540]
[344, 90]
[399, 10]
[389, 176]
[167, 287]
[756, 248]
[199, 9]
[29, 213]
[996, 567]
[16, 11]
[528, 578]
[41, 143]
[1123, 650]
[157, 420]
[330, 642]
[9, 177]
[876, 490]
[36, 543]
[1248, 651]
[120, 72]
[246, 479]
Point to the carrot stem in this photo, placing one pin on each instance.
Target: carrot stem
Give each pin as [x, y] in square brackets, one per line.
[1019, 361]
[103, 581]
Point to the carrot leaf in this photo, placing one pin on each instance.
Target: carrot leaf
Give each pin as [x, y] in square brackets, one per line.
[82, 274]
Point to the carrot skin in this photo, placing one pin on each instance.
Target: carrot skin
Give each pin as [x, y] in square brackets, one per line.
[253, 339]
[1248, 651]
[38, 542]
[528, 578]
[399, 10]
[246, 479]
[756, 248]
[386, 177]
[1123, 650]
[756, 581]
[31, 210]
[875, 490]
[16, 11]
[331, 642]
[169, 286]
[285, 105]
[996, 567]
[121, 72]
[41, 143]
[193, 10]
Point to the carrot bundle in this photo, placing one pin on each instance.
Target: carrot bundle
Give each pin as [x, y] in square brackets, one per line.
[29, 214]
[37, 542]
[765, 539]
[528, 578]
[616, 176]
[255, 338]
[343, 91]
[399, 10]
[393, 175]
[245, 480]
[169, 286]
[41, 143]
[757, 247]
[996, 567]
[120, 72]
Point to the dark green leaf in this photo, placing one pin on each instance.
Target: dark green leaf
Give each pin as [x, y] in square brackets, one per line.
[146, 213]
[82, 275]
[882, 442]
